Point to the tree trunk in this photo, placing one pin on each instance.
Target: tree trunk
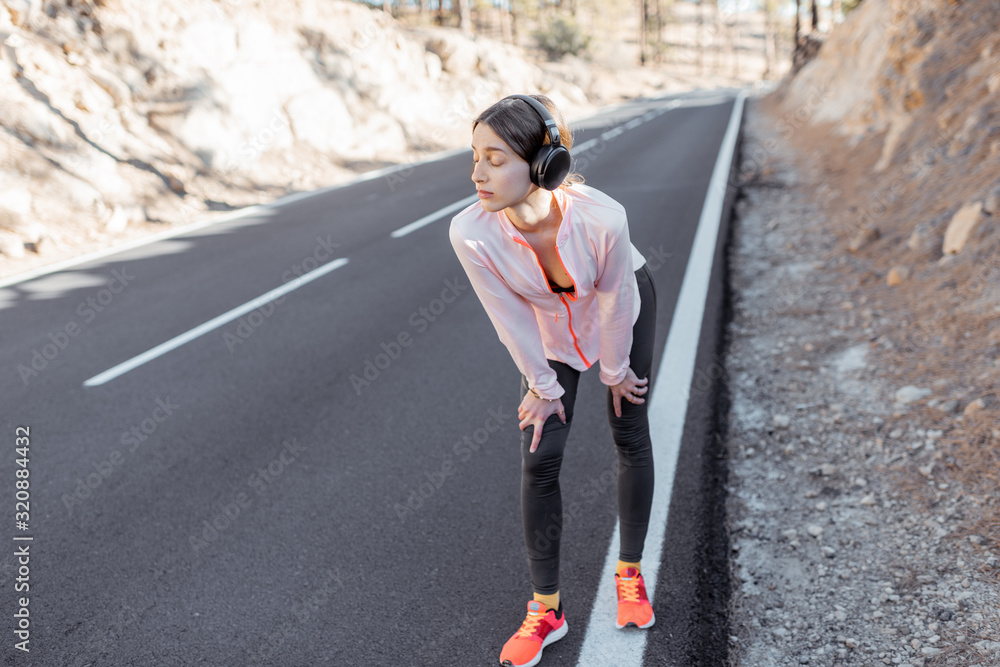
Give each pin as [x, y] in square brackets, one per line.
[465, 17]
[643, 38]
[658, 52]
[513, 20]
[387, 7]
[505, 24]
[700, 40]
[717, 36]
[769, 35]
[815, 16]
[838, 12]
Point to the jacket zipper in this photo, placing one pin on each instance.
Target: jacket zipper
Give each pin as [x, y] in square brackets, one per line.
[569, 315]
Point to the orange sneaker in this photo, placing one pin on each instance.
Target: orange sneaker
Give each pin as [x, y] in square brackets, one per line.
[633, 605]
[540, 628]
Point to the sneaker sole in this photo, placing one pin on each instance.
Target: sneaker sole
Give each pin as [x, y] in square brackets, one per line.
[652, 619]
[553, 636]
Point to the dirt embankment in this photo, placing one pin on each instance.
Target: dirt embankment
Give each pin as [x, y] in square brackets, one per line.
[903, 132]
[865, 349]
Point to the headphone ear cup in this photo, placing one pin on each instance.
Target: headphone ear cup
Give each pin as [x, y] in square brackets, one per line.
[550, 166]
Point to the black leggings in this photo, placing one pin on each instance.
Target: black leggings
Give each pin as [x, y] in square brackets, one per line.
[541, 501]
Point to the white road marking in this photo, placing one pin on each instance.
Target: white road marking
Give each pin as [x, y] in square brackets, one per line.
[216, 322]
[604, 644]
[213, 323]
[428, 219]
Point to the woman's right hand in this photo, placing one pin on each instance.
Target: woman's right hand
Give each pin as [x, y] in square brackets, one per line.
[534, 411]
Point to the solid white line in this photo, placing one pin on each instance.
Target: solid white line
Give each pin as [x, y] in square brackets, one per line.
[604, 644]
[213, 323]
[428, 219]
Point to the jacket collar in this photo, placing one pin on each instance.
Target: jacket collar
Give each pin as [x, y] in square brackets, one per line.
[565, 204]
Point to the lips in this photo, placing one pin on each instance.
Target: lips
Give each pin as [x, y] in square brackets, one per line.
[484, 194]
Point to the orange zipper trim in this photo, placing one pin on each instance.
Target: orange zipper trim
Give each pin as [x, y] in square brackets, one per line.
[576, 344]
[572, 333]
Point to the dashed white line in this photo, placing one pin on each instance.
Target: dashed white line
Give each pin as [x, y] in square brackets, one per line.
[213, 323]
[428, 219]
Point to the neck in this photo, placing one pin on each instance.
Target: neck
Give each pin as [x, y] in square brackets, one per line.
[538, 212]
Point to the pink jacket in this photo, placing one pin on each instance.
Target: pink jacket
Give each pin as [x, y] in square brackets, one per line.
[535, 323]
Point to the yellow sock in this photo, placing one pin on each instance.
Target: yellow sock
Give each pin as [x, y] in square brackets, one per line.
[624, 564]
[550, 601]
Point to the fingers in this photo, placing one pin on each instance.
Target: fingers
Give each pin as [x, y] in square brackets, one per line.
[535, 438]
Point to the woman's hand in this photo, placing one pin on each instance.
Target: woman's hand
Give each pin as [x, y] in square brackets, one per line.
[629, 389]
[534, 411]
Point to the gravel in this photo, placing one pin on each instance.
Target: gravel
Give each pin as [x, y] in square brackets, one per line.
[833, 562]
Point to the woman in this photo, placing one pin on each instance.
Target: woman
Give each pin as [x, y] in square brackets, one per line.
[551, 261]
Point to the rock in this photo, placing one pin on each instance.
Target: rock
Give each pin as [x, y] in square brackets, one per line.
[974, 407]
[829, 552]
[865, 236]
[781, 421]
[814, 530]
[993, 83]
[919, 237]
[117, 221]
[897, 275]
[321, 118]
[960, 227]
[827, 469]
[991, 206]
[11, 244]
[948, 406]
[910, 393]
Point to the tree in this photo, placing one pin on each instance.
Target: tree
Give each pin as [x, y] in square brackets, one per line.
[464, 16]
[798, 27]
[770, 34]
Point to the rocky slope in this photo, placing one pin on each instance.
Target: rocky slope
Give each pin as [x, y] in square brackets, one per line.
[124, 117]
[866, 354]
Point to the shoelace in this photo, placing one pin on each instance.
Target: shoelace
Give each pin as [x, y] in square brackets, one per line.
[629, 590]
[529, 626]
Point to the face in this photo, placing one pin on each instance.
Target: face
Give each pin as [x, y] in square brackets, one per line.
[498, 170]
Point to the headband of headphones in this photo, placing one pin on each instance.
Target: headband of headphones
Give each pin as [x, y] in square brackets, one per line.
[550, 122]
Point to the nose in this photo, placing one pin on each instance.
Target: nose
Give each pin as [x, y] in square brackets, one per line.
[475, 174]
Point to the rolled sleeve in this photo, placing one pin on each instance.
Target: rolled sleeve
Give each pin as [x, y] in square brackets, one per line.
[615, 307]
[513, 318]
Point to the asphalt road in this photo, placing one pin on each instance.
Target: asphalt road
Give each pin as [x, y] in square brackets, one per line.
[333, 478]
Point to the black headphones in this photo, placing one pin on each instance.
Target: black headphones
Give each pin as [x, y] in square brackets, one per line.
[552, 162]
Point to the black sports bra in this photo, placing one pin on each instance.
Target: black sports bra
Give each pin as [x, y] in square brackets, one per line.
[558, 288]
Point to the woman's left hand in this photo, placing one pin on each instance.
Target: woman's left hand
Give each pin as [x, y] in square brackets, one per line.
[630, 390]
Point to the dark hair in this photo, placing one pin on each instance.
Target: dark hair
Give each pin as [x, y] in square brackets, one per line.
[523, 130]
